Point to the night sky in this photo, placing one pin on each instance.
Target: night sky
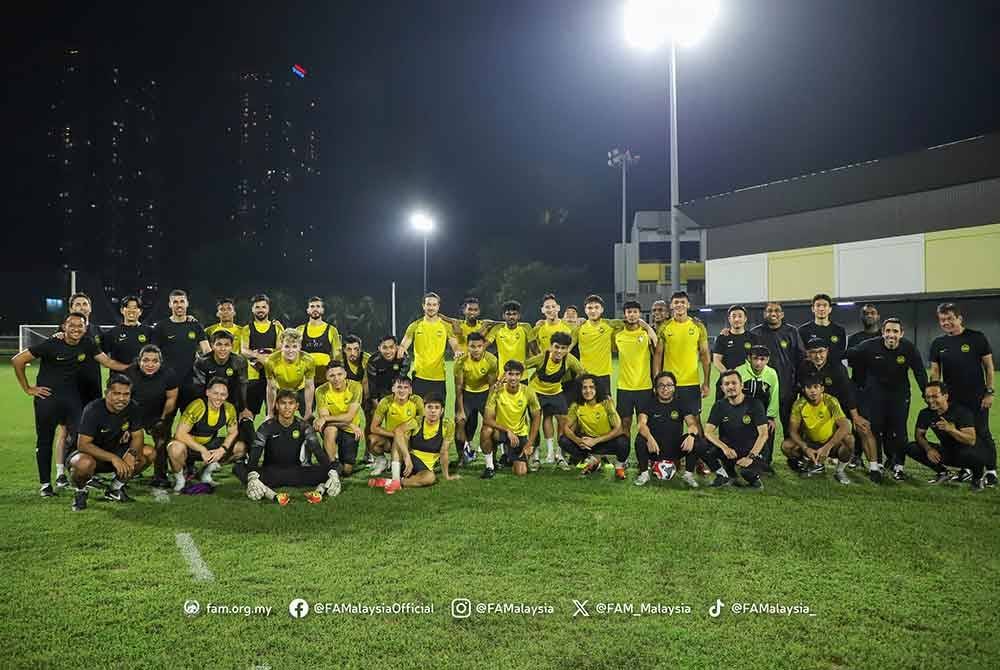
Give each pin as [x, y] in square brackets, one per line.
[489, 112]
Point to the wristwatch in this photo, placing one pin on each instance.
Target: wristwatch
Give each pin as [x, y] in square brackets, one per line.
[989, 390]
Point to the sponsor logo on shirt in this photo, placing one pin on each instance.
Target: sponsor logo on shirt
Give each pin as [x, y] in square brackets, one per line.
[170, 337]
[61, 358]
[965, 349]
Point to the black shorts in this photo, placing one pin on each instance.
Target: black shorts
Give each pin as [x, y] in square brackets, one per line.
[689, 397]
[553, 405]
[422, 387]
[632, 402]
[211, 445]
[512, 454]
[418, 464]
[102, 466]
[347, 445]
[474, 402]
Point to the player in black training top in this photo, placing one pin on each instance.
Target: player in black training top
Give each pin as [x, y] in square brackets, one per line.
[737, 431]
[56, 391]
[963, 359]
[821, 327]
[730, 351]
[959, 444]
[89, 375]
[154, 390]
[885, 364]
[224, 363]
[280, 440]
[123, 342]
[180, 338]
[382, 369]
[668, 431]
[109, 439]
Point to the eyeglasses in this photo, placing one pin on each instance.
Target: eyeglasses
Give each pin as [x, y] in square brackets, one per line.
[665, 385]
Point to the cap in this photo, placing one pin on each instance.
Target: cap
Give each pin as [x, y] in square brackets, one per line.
[816, 343]
[760, 350]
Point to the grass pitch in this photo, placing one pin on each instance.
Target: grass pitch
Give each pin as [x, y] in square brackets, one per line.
[899, 576]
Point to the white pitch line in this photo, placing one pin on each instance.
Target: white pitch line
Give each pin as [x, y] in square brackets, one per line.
[161, 496]
[189, 550]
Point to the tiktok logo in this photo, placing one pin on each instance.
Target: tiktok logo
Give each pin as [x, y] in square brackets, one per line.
[715, 611]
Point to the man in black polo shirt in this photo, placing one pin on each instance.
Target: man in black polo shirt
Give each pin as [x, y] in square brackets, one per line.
[823, 328]
[123, 342]
[963, 359]
[959, 444]
[668, 431]
[885, 364]
[737, 431]
[180, 338]
[785, 345]
[731, 350]
[154, 390]
[56, 392]
[109, 439]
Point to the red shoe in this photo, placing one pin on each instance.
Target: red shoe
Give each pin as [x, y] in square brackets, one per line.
[703, 469]
[377, 482]
[282, 499]
[393, 486]
[314, 497]
[592, 466]
[619, 473]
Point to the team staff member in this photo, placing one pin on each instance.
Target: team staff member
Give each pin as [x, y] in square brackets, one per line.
[123, 342]
[281, 439]
[761, 383]
[513, 417]
[430, 336]
[109, 439]
[415, 452]
[870, 328]
[683, 344]
[89, 377]
[293, 369]
[635, 384]
[56, 392]
[475, 373]
[737, 431]
[785, 345]
[225, 310]
[180, 338]
[963, 359]
[338, 416]
[554, 370]
[550, 324]
[382, 369]
[731, 350]
[515, 341]
[668, 431]
[260, 340]
[821, 327]
[154, 390]
[958, 443]
[594, 427]
[321, 340]
[397, 412]
[885, 364]
[818, 428]
[198, 434]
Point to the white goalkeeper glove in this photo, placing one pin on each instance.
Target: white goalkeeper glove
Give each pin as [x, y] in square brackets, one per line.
[257, 489]
[331, 486]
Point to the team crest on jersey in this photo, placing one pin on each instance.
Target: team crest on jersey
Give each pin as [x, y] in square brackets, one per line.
[746, 419]
[642, 338]
[191, 335]
[966, 348]
[834, 339]
[296, 434]
[141, 338]
[828, 381]
[900, 359]
[125, 426]
[81, 357]
[690, 331]
[746, 345]
[784, 344]
[229, 372]
[674, 414]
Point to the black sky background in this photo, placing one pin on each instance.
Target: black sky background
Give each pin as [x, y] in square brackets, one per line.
[488, 112]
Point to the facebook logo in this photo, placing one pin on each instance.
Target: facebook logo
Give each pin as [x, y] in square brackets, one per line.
[298, 608]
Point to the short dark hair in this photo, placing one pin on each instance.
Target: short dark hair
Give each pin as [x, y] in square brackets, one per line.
[736, 308]
[77, 315]
[892, 319]
[260, 297]
[433, 397]
[577, 309]
[676, 295]
[665, 373]
[80, 295]
[549, 296]
[470, 300]
[729, 373]
[431, 294]
[352, 339]
[659, 301]
[335, 363]
[177, 293]
[949, 308]
[475, 336]
[867, 305]
[217, 380]
[286, 393]
[631, 304]
[941, 385]
[593, 297]
[512, 306]
[318, 299]
[118, 378]
[221, 335]
[387, 336]
[151, 349]
[402, 379]
[822, 296]
[561, 338]
[811, 380]
[602, 393]
[513, 366]
[129, 298]
[225, 301]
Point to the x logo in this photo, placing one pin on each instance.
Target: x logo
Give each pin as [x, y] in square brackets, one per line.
[581, 608]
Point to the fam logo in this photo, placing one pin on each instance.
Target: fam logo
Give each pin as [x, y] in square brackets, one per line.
[125, 427]
[746, 345]
[834, 339]
[296, 434]
[828, 382]
[191, 335]
[746, 419]
[141, 338]
[900, 359]
[784, 344]
[81, 357]
[229, 372]
[966, 348]
[674, 414]
[690, 331]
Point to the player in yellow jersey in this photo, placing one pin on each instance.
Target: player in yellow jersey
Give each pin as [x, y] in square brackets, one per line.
[430, 336]
[595, 337]
[659, 312]
[475, 373]
[512, 419]
[260, 339]
[292, 369]
[635, 385]
[593, 427]
[545, 328]
[338, 416]
[416, 451]
[818, 429]
[198, 435]
[470, 323]
[554, 368]
[400, 411]
[320, 339]
[514, 340]
[225, 309]
[682, 346]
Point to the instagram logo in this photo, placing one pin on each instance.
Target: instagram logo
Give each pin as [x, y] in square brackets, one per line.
[461, 608]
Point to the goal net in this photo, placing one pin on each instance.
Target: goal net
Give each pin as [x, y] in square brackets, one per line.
[30, 334]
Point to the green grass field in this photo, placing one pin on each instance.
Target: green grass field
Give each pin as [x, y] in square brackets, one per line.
[899, 576]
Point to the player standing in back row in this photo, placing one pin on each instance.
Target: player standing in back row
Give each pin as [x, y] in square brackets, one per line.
[430, 337]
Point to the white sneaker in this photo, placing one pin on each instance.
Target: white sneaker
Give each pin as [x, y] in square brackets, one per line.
[642, 479]
[550, 459]
[689, 479]
[179, 482]
[381, 463]
[206, 474]
[842, 477]
[562, 464]
[534, 465]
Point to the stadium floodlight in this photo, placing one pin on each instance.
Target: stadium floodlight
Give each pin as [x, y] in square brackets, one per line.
[423, 224]
[648, 25]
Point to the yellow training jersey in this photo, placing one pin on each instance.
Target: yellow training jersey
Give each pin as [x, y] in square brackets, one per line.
[547, 380]
[594, 340]
[236, 331]
[428, 433]
[338, 402]
[512, 409]
[430, 339]
[313, 333]
[512, 343]
[476, 374]
[634, 370]
[392, 414]
[818, 423]
[544, 332]
[682, 342]
[255, 333]
[290, 375]
[593, 419]
[463, 331]
[205, 422]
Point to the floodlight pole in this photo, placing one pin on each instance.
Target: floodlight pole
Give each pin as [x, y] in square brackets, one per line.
[675, 242]
[425, 262]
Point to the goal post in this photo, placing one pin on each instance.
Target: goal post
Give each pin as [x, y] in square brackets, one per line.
[29, 334]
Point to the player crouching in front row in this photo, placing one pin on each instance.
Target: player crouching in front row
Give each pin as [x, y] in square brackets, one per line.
[668, 432]
[512, 419]
[109, 439]
[817, 430]
[281, 440]
[593, 427]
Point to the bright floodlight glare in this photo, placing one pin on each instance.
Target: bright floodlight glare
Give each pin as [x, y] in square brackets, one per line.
[651, 23]
[421, 222]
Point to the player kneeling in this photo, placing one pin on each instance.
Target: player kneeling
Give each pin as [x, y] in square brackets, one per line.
[512, 419]
[594, 427]
[198, 436]
[818, 429]
[109, 439]
[416, 451]
[668, 432]
[280, 440]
